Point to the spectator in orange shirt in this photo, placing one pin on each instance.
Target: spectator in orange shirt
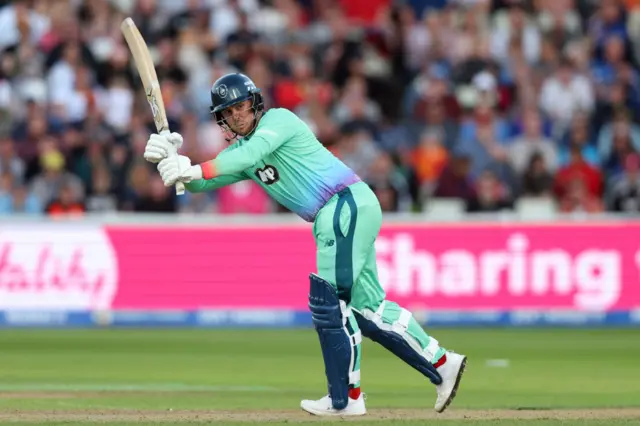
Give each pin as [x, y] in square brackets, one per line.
[66, 203]
[632, 4]
[430, 157]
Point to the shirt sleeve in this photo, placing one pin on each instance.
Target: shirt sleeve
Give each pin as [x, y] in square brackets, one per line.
[202, 185]
[264, 141]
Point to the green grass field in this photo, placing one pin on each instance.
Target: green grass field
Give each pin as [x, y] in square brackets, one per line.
[530, 377]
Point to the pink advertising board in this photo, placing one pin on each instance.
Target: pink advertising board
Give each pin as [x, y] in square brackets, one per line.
[590, 267]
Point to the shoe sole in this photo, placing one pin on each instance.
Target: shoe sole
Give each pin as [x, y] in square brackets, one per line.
[330, 414]
[463, 365]
[321, 413]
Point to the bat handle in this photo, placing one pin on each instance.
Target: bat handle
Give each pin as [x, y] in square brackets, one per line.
[179, 188]
[179, 185]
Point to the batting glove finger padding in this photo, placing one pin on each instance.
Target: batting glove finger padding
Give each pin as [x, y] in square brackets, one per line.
[175, 139]
[160, 147]
[174, 168]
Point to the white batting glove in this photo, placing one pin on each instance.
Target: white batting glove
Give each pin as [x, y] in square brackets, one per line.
[174, 169]
[160, 147]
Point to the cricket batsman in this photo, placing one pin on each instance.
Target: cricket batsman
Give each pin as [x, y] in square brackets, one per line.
[277, 150]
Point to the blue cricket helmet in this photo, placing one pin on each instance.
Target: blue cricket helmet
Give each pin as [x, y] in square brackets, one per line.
[231, 89]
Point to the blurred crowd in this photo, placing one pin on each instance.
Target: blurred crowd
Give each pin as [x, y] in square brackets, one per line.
[487, 101]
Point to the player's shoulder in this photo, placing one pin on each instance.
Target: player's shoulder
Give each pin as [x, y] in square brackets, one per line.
[231, 147]
[278, 115]
[278, 122]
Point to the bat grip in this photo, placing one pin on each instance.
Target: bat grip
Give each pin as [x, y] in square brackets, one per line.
[179, 185]
[179, 188]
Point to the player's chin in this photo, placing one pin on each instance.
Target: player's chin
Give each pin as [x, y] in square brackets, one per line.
[241, 131]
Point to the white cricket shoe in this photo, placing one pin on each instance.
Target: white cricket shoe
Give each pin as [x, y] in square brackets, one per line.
[451, 373]
[323, 407]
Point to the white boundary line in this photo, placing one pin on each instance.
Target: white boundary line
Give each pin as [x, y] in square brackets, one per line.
[134, 387]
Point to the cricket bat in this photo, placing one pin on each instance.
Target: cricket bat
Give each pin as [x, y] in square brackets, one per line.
[147, 71]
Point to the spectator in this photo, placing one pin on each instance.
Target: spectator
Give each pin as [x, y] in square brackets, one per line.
[241, 43]
[385, 177]
[10, 162]
[532, 141]
[101, 198]
[454, 182]
[624, 192]
[357, 149]
[609, 20]
[355, 106]
[621, 125]
[431, 115]
[61, 82]
[292, 92]
[484, 138]
[614, 164]
[619, 99]
[490, 195]
[516, 25]
[156, 198]
[557, 19]
[66, 203]
[579, 199]
[537, 179]
[387, 196]
[430, 158]
[564, 94]
[53, 178]
[613, 67]
[15, 198]
[578, 170]
[579, 137]
[19, 22]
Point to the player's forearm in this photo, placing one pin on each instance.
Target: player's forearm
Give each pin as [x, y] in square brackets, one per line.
[199, 185]
[214, 168]
[202, 185]
[237, 160]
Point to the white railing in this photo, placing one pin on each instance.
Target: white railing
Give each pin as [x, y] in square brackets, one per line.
[168, 219]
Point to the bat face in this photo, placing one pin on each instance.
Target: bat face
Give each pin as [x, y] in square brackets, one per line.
[155, 108]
